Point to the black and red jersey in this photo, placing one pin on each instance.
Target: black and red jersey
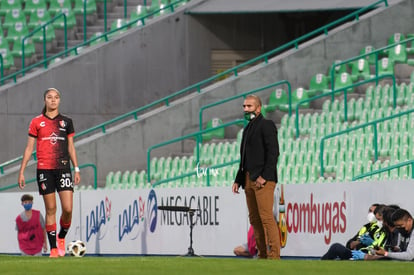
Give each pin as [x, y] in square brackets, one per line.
[52, 140]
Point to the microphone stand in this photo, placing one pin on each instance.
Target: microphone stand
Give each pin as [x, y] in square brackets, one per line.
[190, 249]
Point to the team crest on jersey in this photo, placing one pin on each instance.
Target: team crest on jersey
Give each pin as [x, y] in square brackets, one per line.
[62, 123]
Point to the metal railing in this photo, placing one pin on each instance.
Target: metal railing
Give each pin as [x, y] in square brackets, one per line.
[367, 124]
[386, 169]
[178, 139]
[345, 91]
[95, 184]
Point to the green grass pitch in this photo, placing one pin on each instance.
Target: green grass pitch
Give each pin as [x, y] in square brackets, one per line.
[193, 265]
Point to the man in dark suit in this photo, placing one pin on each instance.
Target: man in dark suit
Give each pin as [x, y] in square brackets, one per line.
[259, 151]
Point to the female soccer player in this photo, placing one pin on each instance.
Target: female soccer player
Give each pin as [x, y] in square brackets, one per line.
[54, 133]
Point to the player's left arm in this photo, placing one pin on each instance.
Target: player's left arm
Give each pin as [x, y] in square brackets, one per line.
[73, 158]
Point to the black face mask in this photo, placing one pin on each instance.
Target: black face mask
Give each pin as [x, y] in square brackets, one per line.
[249, 116]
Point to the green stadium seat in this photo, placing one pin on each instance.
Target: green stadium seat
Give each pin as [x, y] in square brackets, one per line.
[8, 5]
[370, 58]
[277, 98]
[109, 179]
[8, 60]
[57, 6]
[29, 49]
[117, 178]
[90, 7]
[343, 80]
[338, 69]
[50, 35]
[385, 66]
[218, 133]
[319, 84]
[12, 17]
[31, 6]
[297, 95]
[395, 38]
[38, 17]
[70, 19]
[360, 70]
[133, 179]
[398, 54]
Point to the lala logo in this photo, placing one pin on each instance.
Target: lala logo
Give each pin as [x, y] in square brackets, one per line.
[62, 123]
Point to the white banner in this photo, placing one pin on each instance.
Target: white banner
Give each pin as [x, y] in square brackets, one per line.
[129, 221]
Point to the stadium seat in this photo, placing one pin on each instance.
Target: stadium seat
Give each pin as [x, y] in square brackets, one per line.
[29, 50]
[319, 84]
[218, 133]
[17, 32]
[8, 5]
[385, 66]
[56, 6]
[370, 58]
[278, 97]
[97, 41]
[343, 80]
[38, 17]
[70, 19]
[8, 60]
[50, 35]
[338, 69]
[360, 70]
[90, 7]
[12, 17]
[398, 54]
[31, 6]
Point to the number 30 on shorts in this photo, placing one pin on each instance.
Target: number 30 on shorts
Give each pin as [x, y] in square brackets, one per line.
[66, 182]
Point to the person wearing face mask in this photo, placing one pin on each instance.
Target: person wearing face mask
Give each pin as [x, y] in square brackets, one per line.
[30, 226]
[403, 222]
[369, 236]
[257, 174]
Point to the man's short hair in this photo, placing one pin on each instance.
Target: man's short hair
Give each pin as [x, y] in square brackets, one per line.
[27, 197]
[256, 98]
[400, 214]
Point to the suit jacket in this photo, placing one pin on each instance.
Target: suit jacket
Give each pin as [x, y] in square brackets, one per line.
[259, 151]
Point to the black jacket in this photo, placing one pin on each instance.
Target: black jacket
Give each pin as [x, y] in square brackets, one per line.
[259, 151]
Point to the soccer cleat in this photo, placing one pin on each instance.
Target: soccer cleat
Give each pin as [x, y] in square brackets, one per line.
[54, 253]
[61, 247]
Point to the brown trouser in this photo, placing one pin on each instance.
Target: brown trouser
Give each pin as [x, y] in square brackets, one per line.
[260, 205]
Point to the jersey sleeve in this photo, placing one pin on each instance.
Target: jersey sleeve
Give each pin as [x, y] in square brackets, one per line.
[33, 129]
[70, 129]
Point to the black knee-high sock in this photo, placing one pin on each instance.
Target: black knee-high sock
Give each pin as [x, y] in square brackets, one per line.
[51, 235]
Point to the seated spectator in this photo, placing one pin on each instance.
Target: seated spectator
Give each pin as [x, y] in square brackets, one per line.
[248, 249]
[403, 222]
[370, 235]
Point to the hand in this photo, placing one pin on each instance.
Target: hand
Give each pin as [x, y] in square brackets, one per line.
[260, 182]
[235, 188]
[366, 240]
[358, 255]
[380, 252]
[21, 181]
[45, 247]
[77, 178]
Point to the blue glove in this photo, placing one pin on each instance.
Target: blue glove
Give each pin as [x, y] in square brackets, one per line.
[358, 255]
[366, 240]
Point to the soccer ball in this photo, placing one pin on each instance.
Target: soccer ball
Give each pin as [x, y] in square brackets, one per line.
[77, 248]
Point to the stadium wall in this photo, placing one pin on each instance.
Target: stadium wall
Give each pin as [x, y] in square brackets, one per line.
[128, 222]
